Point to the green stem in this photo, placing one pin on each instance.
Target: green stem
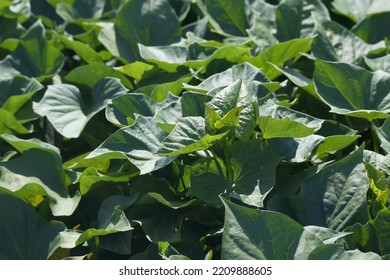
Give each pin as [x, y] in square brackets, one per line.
[349, 122]
[229, 168]
[97, 247]
[375, 142]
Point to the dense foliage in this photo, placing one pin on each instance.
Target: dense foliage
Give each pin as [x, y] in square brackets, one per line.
[200, 129]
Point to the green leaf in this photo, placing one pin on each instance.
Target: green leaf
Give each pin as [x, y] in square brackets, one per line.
[243, 71]
[34, 56]
[89, 75]
[11, 28]
[80, 9]
[334, 42]
[161, 219]
[193, 104]
[380, 63]
[181, 7]
[334, 143]
[111, 219]
[24, 234]
[188, 136]
[168, 252]
[202, 144]
[227, 53]
[337, 252]
[284, 128]
[123, 109]
[139, 143]
[372, 236]
[264, 235]
[208, 180]
[262, 31]
[160, 90]
[368, 28]
[378, 161]
[336, 196]
[92, 177]
[9, 124]
[295, 18]
[227, 17]
[298, 79]
[351, 90]
[279, 54]
[68, 112]
[167, 58]
[278, 112]
[16, 91]
[47, 173]
[254, 170]
[357, 11]
[140, 21]
[383, 133]
[295, 149]
[85, 52]
[328, 236]
[238, 95]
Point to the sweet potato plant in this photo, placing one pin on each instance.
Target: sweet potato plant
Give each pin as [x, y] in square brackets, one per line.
[194, 129]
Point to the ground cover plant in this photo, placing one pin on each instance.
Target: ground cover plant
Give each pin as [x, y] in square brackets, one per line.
[194, 129]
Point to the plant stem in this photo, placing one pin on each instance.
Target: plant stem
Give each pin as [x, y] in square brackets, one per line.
[229, 168]
[374, 140]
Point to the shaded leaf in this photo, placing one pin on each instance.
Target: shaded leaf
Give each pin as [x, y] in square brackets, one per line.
[48, 173]
[264, 235]
[18, 218]
[368, 29]
[336, 196]
[34, 56]
[227, 16]
[139, 21]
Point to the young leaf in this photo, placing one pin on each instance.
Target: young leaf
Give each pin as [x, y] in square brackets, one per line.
[239, 94]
